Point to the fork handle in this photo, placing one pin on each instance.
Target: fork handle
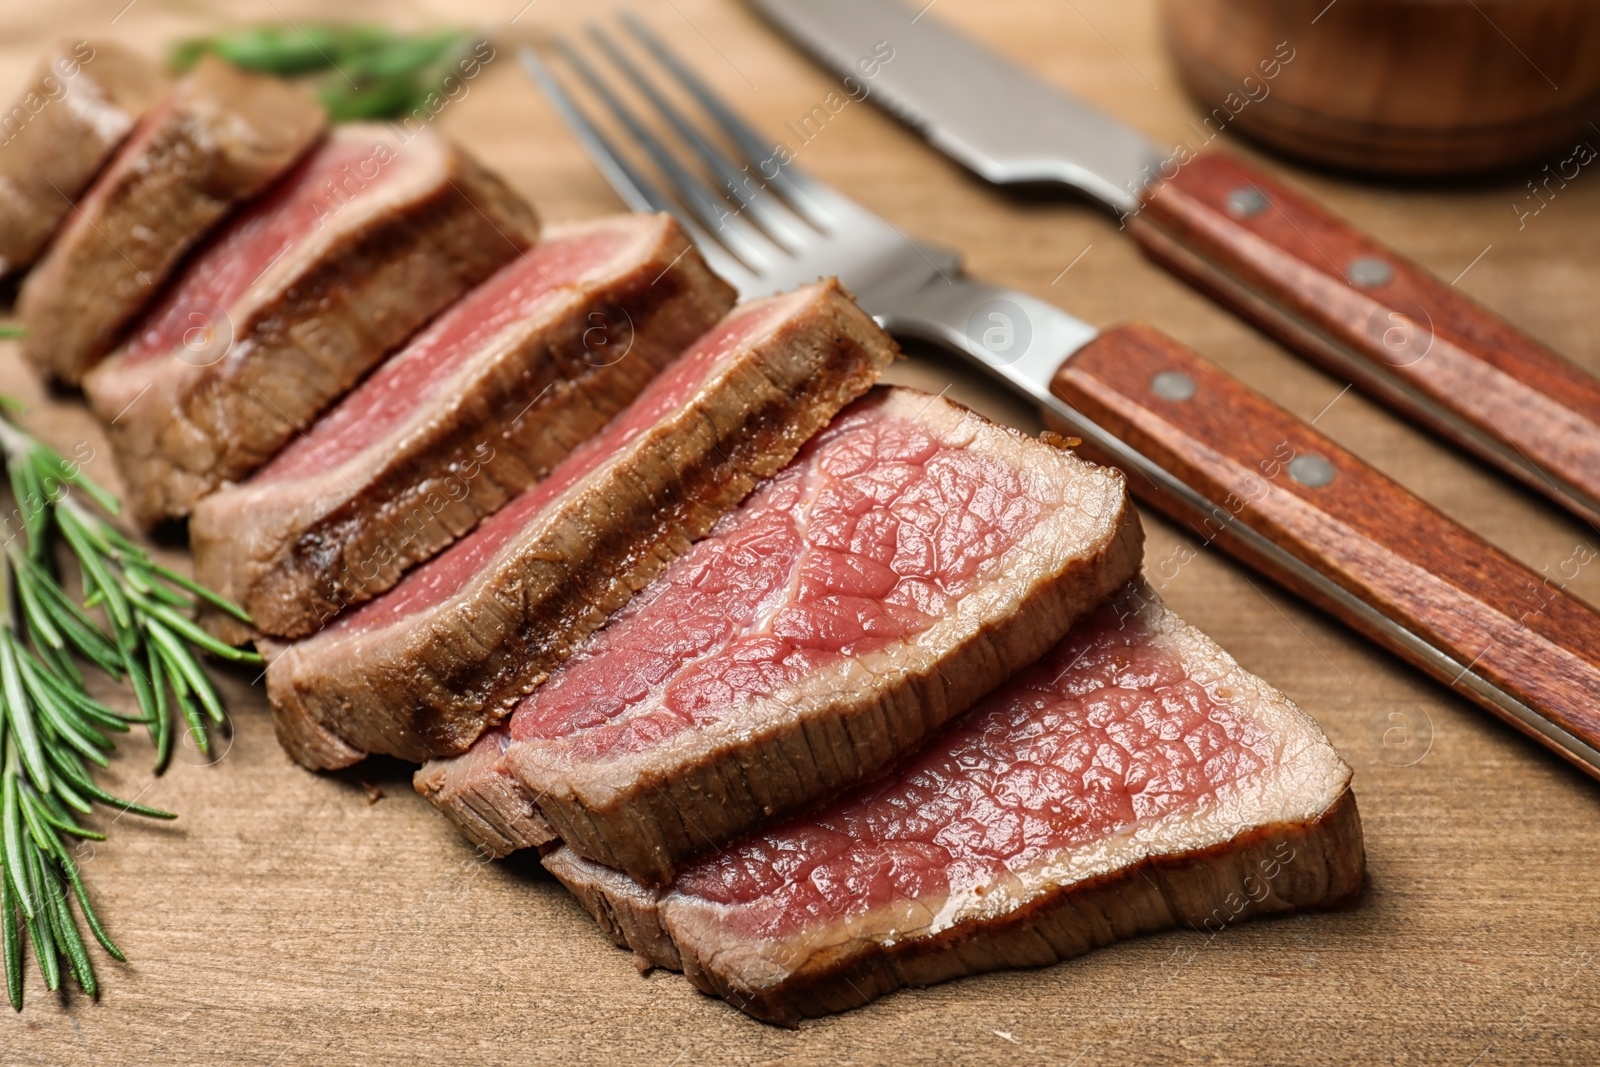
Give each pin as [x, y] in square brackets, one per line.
[1372, 317]
[1497, 621]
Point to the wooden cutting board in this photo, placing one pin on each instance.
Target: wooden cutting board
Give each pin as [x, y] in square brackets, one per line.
[288, 918]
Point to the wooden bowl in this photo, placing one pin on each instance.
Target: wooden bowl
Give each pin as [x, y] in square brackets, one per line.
[1407, 87]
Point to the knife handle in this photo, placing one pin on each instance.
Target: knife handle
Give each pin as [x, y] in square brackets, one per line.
[1378, 320]
[1495, 618]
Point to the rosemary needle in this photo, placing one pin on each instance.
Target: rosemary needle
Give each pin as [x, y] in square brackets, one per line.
[52, 732]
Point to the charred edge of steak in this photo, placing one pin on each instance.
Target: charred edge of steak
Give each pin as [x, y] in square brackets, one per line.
[306, 740]
[494, 812]
[654, 828]
[237, 414]
[228, 134]
[450, 699]
[401, 517]
[627, 912]
[1205, 890]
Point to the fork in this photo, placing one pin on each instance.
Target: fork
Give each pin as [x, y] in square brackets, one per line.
[1227, 465]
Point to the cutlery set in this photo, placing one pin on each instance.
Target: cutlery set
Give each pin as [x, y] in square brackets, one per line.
[1222, 461]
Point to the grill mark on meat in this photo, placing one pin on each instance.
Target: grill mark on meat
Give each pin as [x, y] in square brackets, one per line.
[626, 780]
[247, 252]
[328, 530]
[377, 268]
[570, 267]
[424, 669]
[218, 138]
[875, 893]
[669, 392]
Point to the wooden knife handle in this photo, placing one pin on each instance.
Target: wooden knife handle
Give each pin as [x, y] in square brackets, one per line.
[1495, 618]
[1374, 318]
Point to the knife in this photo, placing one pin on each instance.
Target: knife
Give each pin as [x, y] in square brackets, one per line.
[1314, 282]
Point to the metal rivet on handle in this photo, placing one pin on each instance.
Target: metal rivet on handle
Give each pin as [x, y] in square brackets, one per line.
[1245, 201]
[1311, 471]
[1368, 271]
[1172, 385]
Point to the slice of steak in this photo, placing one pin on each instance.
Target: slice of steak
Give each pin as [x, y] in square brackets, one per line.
[1136, 778]
[293, 301]
[218, 138]
[422, 670]
[60, 132]
[475, 409]
[913, 558]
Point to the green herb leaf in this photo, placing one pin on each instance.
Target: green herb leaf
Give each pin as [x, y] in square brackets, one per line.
[366, 72]
[52, 732]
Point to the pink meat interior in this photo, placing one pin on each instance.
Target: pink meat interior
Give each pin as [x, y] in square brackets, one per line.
[317, 189]
[1104, 732]
[411, 377]
[868, 538]
[445, 574]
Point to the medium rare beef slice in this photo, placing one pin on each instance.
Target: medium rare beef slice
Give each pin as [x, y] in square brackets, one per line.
[60, 132]
[218, 138]
[294, 301]
[1136, 778]
[422, 670]
[913, 558]
[475, 409]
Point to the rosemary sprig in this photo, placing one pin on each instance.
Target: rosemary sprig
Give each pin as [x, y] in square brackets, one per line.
[364, 72]
[52, 732]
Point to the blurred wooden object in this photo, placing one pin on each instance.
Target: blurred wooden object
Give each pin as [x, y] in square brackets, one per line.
[1409, 87]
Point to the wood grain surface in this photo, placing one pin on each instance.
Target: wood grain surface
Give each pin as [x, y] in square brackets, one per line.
[293, 919]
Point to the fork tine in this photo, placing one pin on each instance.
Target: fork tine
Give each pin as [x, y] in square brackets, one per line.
[804, 192]
[638, 192]
[768, 212]
[750, 245]
[635, 191]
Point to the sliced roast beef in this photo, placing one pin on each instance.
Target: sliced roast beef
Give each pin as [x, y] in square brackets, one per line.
[60, 132]
[471, 412]
[913, 558]
[1136, 778]
[219, 137]
[293, 301]
[422, 670]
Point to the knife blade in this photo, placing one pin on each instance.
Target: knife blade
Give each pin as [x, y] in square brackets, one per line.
[973, 104]
[1314, 282]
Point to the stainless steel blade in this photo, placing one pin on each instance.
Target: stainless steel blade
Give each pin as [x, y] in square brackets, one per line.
[971, 103]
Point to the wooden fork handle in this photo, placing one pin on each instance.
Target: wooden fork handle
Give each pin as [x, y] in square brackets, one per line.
[1495, 620]
[1372, 317]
